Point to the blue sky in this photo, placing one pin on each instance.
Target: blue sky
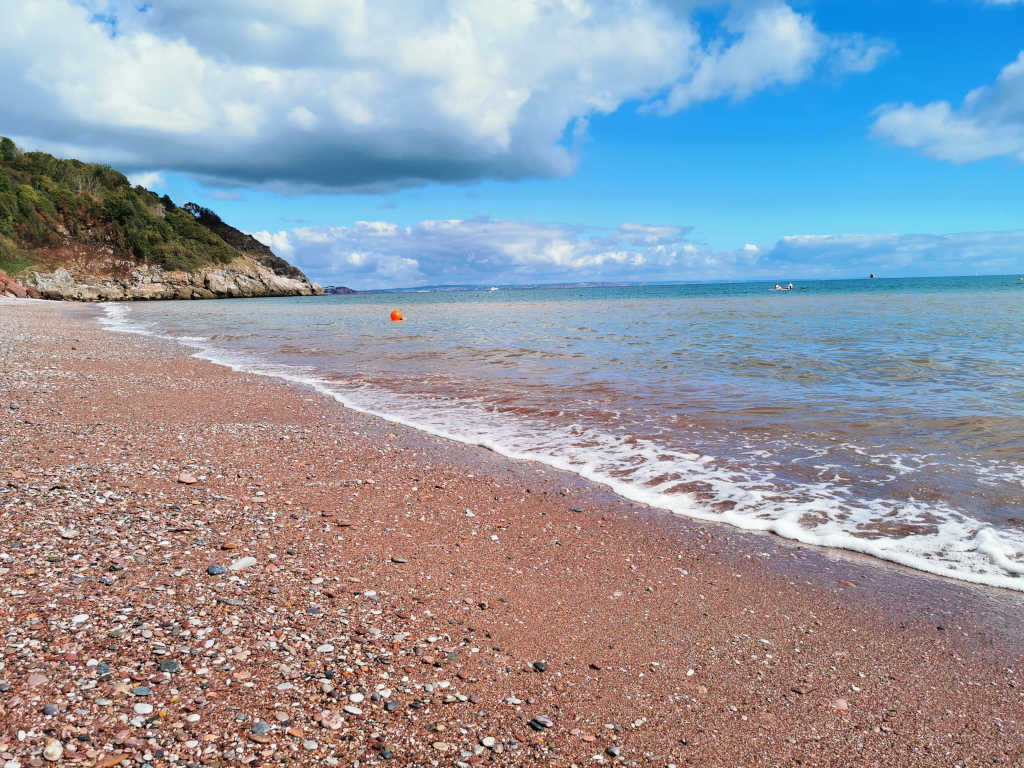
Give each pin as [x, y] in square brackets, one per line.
[378, 146]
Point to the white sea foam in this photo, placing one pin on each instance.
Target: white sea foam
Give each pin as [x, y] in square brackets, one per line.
[946, 542]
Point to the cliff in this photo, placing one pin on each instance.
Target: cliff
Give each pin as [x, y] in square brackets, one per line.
[80, 231]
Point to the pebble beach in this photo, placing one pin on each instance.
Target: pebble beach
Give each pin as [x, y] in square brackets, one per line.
[204, 567]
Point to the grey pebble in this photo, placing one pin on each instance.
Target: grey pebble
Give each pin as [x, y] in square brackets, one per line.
[142, 690]
[216, 570]
[540, 666]
[50, 709]
[170, 665]
[260, 727]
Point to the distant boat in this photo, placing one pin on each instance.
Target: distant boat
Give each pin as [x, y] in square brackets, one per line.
[492, 288]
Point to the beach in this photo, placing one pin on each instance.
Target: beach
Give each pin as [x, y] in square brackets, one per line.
[207, 567]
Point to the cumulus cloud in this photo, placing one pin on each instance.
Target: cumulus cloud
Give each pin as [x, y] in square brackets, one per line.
[147, 179]
[380, 254]
[989, 122]
[321, 94]
[766, 45]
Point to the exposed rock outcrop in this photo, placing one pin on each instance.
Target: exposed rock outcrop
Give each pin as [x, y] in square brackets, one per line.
[243, 277]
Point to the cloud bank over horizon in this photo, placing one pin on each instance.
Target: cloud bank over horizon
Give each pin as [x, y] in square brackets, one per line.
[378, 254]
[319, 95]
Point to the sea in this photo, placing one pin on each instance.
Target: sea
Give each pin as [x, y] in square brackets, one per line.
[881, 416]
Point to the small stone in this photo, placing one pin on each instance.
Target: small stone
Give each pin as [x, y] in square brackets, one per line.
[441, 746]
[391, 706]
[540, 666]
[67, 533]
[489, 741]
[36, 679]
[142, 690]
[187, 478]
[170, 666]
[142, 708]
[356, 698]
[54, 751]
[332, 720]
[352, 709]
[216, 570]
[260, 727]
[612, 751]
[309, 745]
[543, 720]
[242, 563]
[14, 406]
[325, 648]
[51, 710]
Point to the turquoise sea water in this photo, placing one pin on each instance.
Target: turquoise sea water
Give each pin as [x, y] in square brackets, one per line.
[882, 416]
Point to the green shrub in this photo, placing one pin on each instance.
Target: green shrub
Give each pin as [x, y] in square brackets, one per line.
[41, 196]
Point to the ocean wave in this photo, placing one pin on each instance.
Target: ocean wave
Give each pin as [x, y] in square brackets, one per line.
[929, 536]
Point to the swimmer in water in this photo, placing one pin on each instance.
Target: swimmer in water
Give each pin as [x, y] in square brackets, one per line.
[778, 287]
[789, 287]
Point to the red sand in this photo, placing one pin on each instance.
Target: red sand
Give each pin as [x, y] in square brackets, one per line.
[666, 642]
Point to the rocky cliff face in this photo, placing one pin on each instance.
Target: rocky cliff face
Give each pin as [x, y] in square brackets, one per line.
[243, 277]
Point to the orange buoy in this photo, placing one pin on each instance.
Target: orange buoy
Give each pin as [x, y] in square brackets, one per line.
[396, 316]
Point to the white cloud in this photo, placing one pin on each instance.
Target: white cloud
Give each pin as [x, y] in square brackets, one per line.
[279, 242]
[484, 251]
[147, 179]
[382, 254]
[858, 54]
[989, 122]
[322, 94]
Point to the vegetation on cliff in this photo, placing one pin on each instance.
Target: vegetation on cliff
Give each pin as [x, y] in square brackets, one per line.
[54, 211]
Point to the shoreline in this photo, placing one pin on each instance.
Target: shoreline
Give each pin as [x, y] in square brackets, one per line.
[702, 644]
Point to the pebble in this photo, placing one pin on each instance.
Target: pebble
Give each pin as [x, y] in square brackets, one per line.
[142, 690]
[143, 708]
[397, 559]
[540, 666]
[541, 721]
[54, 751]
[170, 665]
[325, 648]
[352, 709]
[242, 563]
[489, 741]
[50, 709]
[332, 720]
[391, 706]
[216, 570]
[356, 698]
[186, 478]
[260, 727]
[309, 745]
[612, 751]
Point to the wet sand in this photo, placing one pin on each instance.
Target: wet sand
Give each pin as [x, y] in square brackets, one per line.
[464, 608]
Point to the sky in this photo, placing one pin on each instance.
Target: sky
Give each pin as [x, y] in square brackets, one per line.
[390, 143]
